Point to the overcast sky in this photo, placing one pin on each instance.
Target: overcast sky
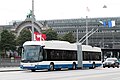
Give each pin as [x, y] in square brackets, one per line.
[11, 10]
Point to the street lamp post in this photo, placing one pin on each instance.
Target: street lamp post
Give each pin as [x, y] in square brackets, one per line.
[103, 31]
[87, 25]
[86, 30]
[32, 20]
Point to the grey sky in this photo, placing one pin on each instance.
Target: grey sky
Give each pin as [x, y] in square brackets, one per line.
[12, 10]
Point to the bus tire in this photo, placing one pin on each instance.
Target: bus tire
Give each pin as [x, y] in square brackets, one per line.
[51, 66]
[74, 66]
[33, 70]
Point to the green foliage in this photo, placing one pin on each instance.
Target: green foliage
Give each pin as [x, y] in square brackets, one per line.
[60, 38]
[7, 40]
[25, 35]
[69, 37]
[51, 34]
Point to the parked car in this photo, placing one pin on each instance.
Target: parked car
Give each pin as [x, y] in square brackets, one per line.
[111, 62]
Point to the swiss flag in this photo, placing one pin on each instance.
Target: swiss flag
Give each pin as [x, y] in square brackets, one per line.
[39, 36]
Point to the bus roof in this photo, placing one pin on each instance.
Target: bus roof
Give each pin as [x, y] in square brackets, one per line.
[62, 45]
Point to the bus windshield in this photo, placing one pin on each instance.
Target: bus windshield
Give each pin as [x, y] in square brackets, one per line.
[32, 53]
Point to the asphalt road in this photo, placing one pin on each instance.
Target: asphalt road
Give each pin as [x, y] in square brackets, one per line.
[91, 74]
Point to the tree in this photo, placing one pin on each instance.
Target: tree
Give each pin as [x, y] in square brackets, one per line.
[50, 34]
[25, 35]
[69, 37]
[7, 41]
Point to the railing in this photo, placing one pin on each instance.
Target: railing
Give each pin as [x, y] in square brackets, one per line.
[10, 62]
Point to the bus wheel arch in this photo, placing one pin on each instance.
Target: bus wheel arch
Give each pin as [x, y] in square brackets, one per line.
[51, 66]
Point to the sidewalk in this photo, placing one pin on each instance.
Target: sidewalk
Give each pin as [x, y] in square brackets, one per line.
[6, 69]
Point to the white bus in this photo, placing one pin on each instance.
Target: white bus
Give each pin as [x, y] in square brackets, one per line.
[51, 55]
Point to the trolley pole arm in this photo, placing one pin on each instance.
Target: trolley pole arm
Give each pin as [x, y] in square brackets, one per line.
[86, 35]
[90, 35]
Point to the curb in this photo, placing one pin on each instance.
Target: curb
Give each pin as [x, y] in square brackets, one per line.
[9, 69]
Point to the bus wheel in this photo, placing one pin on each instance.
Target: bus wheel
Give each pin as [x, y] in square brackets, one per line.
[74, 66]
[51, 66]
[93, 65]
[33, 70]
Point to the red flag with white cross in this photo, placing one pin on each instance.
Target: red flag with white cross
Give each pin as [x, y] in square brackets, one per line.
[39, 36]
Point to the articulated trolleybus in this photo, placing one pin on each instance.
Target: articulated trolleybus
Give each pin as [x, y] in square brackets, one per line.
[51, 55]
